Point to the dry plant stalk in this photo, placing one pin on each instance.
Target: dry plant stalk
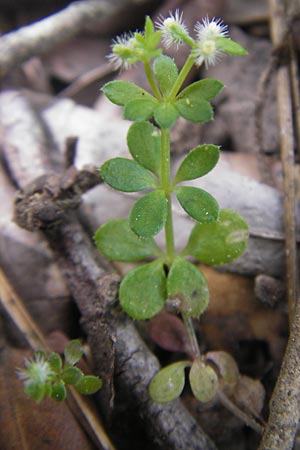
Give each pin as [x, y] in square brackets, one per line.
[284, 406]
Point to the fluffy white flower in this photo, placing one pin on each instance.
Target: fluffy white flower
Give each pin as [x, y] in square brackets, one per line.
[174, 30]
[123, 51]
[37, 371]
[206, 50]
[210, 29]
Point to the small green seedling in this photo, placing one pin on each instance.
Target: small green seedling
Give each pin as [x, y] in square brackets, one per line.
[46, 375]
[219, 235]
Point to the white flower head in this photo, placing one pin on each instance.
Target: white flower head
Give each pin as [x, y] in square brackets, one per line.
[174, 30]
[123, 51]
[210, 29]
[206, 50]
[37, 371]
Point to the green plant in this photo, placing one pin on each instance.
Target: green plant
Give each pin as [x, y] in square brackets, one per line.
[46, 375]
[218, 237]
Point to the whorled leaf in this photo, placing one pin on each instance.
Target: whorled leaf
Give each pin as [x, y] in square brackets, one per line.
[143, 290]
[73, 351]
[55, 362]
[194, 109]
[117, 241]
[140, 109]
[219, 242]
[165, 115]
[203, 381]
[197, 163]
[58, 392]
[166, 73]
[88, 384]
[187, 284]
[199, 204]
[226, 45]
[149, 213]
[71, 375]
[205, 89]
[143, 140]
[126, 175]
[121, 92]
[168, 383]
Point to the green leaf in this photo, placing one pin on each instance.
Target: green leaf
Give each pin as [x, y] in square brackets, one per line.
[219, 242]
[198, 162]
[55, 362]
[126, 175]
[121, 92]
[35, 391]
[205, 89]
[73, 351]
[226, 45]
[59, 392]
[88, 384]
[71, 375]
[166, 73]
[143, 290]
[148, 214]
[165, 115]
[149, 28]
[168, 383]
[203, 381]
[140, 109]
[195, 110]
[199, 204]
[143, 140]
[117, 241]
[187, 284]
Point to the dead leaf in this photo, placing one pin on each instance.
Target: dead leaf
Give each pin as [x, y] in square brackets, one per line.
[169, 332]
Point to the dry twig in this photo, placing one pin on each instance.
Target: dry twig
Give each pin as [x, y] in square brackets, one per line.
[32, 40]
[284, 406]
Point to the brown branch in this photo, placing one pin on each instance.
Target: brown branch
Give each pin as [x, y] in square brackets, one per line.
[114, 342]
[284, 406]
[32, 40]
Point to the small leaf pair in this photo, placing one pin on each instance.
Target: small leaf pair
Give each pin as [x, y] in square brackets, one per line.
[143, 290]
[167, 385]
[192, 103]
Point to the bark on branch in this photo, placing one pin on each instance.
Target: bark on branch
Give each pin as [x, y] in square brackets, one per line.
[115, 344]
[40, 37]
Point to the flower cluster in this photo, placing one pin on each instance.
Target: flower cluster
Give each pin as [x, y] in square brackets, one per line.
[37, 376]
[211, 41]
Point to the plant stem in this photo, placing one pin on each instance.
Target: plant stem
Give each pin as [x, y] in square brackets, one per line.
[165, 175]
[182, 76]
[244, 417]
[192, 335]
[151, 80]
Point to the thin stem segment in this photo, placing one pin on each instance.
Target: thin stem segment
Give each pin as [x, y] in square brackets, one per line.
[151, 80]
[192, 336]
[182, 76]
[165, 175]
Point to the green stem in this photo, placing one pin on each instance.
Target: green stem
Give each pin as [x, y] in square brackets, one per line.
[182, 76]
[165, 176]
[192, 335]
[151, 80]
